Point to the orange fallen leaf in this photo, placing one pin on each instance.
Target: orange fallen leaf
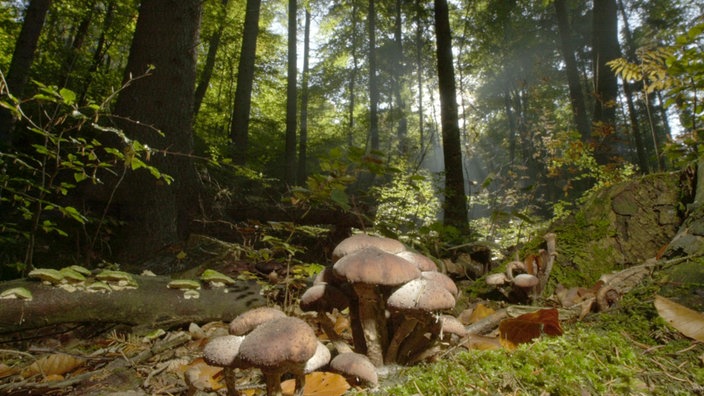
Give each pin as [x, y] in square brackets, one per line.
[6, 371]
[319, 383]
[57, 363]
[482, 343]
[687, 321]
[480, 312]
[527, 327]
[202, 376]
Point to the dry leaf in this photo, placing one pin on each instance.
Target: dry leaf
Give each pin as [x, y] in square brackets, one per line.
[58, 363]
[202, 376]
[319, 384]
[687, 321]
[482, 343]
[479, 312]
[6, 371]
[527, 327]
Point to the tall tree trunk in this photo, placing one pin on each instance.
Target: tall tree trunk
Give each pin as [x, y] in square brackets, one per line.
[604, 49]
[22, 58]
[402, 128]
[207, 73]
[159, 214]
[373, 87]
[77, 43]
[579, 108]
[455, 205]
[239, 129]
[353, 77]
[419, 74]
[291, 96]
[303, 137]
[100, 50]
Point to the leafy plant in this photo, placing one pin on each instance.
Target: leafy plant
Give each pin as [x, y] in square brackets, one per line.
[38, 180]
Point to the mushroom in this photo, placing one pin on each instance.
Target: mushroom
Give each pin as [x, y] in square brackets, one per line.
[424, 263]
[355, 367]
[361, 241]
[47, 275]
[247, 321]
[320, 358]
[366, 270]
[525, 284]
[496, 279]
[216, 279]
[280, 346]
[415, 302]
[449, 326]
[323, 298]
[442, 279]
[17, 293]
[222, 352]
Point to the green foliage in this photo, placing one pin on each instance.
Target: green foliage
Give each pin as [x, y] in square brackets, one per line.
[677, 71]
[38, 185]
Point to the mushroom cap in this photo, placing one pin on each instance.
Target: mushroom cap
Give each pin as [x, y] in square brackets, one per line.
[421, 295]
[222, 351]
[323, 297]
[283, 344]
[361, 241]
[355, 366]
[320, 358]
[452, 325]
[512, 267]
[423, 262]
[247, 321]
[325, 276]
[525, 280]
[374, 266]
[496, 279]
[442, 279]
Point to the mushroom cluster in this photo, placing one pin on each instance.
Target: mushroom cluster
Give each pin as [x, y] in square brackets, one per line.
[395, 297]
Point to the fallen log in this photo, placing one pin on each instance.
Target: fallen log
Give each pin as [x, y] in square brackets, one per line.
[150, 303]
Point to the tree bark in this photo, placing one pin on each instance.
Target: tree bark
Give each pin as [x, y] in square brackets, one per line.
[207, 73]
[402, 127]
[158, 214]
[353, 77]
[455, 205]
[303, 133]
[239, 129]
[373, 87]
[579, 108]
[152, 303]
[291, 96]
[605, 48]
[22, 59]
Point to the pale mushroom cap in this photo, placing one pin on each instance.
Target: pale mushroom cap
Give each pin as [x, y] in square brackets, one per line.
[373, 266]
[421, 295]
[356, 366]
[279, 345]
[247, 321]
[361, 241]
[525, 280]
[320, 358]
[323, 297]
[222, 351]
[424, 263]
[452, 325]
[442, 279]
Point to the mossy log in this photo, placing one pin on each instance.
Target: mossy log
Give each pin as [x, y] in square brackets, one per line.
[151, 303]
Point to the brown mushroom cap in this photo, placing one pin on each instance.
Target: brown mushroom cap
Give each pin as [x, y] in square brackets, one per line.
[442, 279]
[355, 367]
[323, 297]
[279, 345]
[222, 351]
[525, 280]
[452, 325]
[374, 266]
[424, 263]
[496, 279]
[361, 241]
[421, 295]
[247, 321]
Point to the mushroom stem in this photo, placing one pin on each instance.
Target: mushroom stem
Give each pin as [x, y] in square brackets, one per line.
[401, 334]
[371, 317]
[273, 383]
[230, 381]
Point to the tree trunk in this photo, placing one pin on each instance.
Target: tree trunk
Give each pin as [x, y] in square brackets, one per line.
[419, 75]
[373, 87]
[291, 96]
[353, 77]
[605, 49]
[402, 128]
[239, 130]
[100, 50]
[22, 58]
[455, 205]
[158, 214]
[579, 108]
[303, 138]
[207, 73]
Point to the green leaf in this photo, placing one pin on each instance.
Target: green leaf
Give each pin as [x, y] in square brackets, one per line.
[68, 96]
[340, 198]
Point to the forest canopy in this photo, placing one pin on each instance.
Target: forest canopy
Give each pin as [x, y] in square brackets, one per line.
[127, 126]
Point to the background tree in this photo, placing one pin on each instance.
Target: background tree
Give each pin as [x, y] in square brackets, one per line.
[291, 95]
[165, 38]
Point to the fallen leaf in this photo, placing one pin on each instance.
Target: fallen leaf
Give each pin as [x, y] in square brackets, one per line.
[527, 327]
[6, 371]
[58, 363]
[319, 383]
[482, 343]
[202, 376]
[687, 321]
[479, 312]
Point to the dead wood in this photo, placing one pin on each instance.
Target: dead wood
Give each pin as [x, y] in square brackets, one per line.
[152, 303]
